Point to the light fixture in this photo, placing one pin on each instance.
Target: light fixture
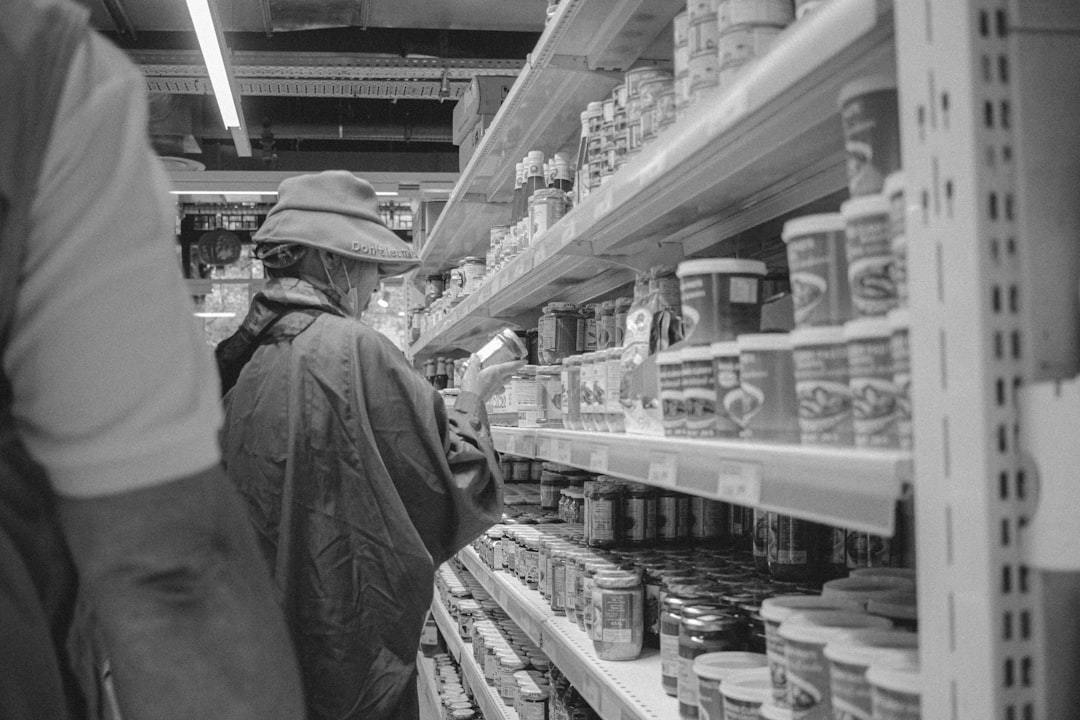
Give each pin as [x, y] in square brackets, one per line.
[210, 38]
[384, 299]
[215, 314]
[386, 193]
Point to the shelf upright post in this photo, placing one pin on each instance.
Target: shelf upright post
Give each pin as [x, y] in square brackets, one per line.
[977, 599]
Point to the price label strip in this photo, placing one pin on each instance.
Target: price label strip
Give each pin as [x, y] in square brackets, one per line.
[598, 456]
[511, 445]
[527, 446]
[563, 452]
[663, 469]
[739, 482]
[543, 448]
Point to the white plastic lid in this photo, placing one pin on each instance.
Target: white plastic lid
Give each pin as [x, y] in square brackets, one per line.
[778, 609]
[864, 589]
[768, 711]
[535, 156]
[722, 665]
[701, 353]
[824, 626]
[862, 647]
[764, 341]
[812, 224]
[908, 573]
[724, 348]
[899, 673]
[899, 319]
[720, 265]
[866, 84]
[669, 357]
[894, 183]
[821, 335]
[865, 205]
[900, 604]
[867, 328]
[748, 686]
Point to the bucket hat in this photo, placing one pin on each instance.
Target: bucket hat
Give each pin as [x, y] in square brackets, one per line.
[337, 212]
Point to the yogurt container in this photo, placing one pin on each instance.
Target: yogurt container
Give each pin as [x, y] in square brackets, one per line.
[744, 693]
[766, 408]
[712, 671]
[869, 253]
[725, 359]
[774, 611]
[805, 636]
[754, 12]
[871, 126]
[721, 298]
[821, 383]
[817, 259]
[896, 688]
[900, 349]
[874, 394]
[896, 572]
[901, 606]
[862, 590]
[772, 711]
[699, 391]
[850, 657]
[669, 368]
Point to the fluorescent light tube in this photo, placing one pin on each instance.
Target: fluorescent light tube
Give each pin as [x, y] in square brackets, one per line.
[223, 192]
[215, 314]
[207, 33]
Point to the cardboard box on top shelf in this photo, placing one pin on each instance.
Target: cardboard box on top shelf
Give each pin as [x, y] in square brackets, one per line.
[469, 144]
[481, 99]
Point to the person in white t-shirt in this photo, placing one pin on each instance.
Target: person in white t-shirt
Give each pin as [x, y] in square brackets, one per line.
[111, 488]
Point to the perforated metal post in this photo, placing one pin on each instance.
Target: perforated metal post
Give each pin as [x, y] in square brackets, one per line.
[976, 598]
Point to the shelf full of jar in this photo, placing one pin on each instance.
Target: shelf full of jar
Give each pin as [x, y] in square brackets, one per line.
[767, 147]
[616, 690]
[579, 58]
[844, 487]
[486, 697]
[426, 685]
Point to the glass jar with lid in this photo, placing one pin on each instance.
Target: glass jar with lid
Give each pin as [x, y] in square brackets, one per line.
[618, 604]
[473, 270]
[676, 599]
[700, 634]
[603, 503]
[558, 336]
[590, 314]
[571, 382]
[639, 515]
[587, 387]
[614, 419]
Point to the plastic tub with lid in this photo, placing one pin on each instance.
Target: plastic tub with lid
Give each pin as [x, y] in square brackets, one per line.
[712, 670]
[721, 298]
[744, 693]
[850, 657]
[862, 589]
[896, 688]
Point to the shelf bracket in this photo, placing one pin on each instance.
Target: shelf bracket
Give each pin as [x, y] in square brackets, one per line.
[580, 63]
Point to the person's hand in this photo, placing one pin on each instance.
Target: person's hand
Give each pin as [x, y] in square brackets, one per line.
[487, 381]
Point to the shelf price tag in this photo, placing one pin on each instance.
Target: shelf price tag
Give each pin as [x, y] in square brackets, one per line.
[598, 455]
[739, 482]
[511, 445]
[527, 446]
[563, 452]
[543, 448]
[663, 469]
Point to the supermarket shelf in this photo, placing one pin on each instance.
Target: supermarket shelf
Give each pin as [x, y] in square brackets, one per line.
[485, 696]
[430, 705]
[616, 690]
[845, 487]
[579, 58]
[762, 149]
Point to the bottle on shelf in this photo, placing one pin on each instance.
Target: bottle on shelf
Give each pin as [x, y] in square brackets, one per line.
[441, 379]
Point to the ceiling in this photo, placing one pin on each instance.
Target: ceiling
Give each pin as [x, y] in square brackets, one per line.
[352, 84]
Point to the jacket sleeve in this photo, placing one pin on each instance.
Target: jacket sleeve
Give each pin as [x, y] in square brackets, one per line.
[443, 463]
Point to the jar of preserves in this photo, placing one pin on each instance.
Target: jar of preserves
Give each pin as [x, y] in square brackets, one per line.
[509, 663]
[672, 518]
[532, 564]
[533, 702]
[558, 579]
[706, 633]
[708, 521]
[794, 549]
[763, 536]
[587, 387]
[670, 618]
[473, 270]
[551, 484]
[639, 515]
[590, 316]
[618, 615]
[433, 288]
[558, 336]
[604, 508]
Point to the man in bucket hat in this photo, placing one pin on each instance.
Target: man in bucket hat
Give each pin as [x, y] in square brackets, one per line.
[358, 480]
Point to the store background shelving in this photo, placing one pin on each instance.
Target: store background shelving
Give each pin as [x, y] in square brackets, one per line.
[721, 179]
[486, 697]
[844, 487]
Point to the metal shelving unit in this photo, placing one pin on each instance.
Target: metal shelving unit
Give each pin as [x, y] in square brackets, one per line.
[486, 697]
[629, 690]
[767, 146]
[843, 487]
[987, 116]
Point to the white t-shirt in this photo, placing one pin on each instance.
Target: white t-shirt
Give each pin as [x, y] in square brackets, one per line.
[114, 388]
